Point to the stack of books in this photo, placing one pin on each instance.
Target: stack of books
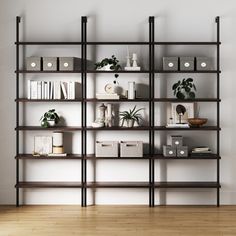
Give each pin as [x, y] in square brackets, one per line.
[114, 96]
[52, 89]
[201, 151]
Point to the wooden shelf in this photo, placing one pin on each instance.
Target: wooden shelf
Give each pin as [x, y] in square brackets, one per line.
[118, 100]
[186, 100]
[138, 128]
[117, 185]
[31, 157]
[177, 184]
[44, 184]
[59, 128]
[47, 100]
[45, 72]
[187, 72]
[202, 128]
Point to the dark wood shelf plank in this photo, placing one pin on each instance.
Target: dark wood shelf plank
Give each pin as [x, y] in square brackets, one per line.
[118, 100]
[117, 185]
[47, 43]
[202, 128]
[187, 43]
[187, 72]
[180, 184]
[46, 184]
[42, 157]
[47, 100]
[187, 100]
[45, 72]
[138, 128]
[59, 128]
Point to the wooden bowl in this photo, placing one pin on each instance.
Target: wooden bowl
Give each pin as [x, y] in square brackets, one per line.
[197, 122]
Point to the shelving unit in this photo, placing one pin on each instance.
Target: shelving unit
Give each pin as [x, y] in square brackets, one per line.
[151, 157]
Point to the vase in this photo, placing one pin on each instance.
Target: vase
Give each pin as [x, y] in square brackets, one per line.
[51, 123]
[106, 68]
[130, 123]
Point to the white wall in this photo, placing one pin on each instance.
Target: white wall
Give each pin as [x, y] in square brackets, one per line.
[58, 20]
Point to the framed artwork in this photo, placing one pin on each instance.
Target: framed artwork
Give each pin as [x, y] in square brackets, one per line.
[42, 145]
[186, 110]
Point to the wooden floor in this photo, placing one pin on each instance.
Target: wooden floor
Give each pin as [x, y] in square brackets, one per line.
[117, 220]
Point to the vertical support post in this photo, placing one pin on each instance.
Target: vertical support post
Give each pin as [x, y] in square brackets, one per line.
[18, 19]
[151, 110]
[218, 109]
[84, 110]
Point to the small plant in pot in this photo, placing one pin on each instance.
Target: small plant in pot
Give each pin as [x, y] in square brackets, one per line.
[184, 89]
[50, 118]
[130, 116]
[108, 64]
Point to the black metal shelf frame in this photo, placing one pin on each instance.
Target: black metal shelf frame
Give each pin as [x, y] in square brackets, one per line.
[151, 129]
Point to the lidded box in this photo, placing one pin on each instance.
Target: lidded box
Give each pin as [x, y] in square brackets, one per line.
[106, 149]
[182, 151]
[50, 63]
[187, 63]
[69, 63]
[170, 63]
[204, 63]
[176, 140]
[169, 151]
[131, 149]
[33, 63]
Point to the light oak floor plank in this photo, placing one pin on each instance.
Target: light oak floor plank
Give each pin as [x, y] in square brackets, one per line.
[117, 220]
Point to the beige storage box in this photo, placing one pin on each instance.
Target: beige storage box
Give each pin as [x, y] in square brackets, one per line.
[106, 149]
[182, 151]
[176, 140]
[69, 64]
[131, 149]
[169, 151]
[49, 63]
[33, 63]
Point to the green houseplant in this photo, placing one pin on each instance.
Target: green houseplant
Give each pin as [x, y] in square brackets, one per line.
[108, 64]
[50, 118]
[184, 89]
[131, 116]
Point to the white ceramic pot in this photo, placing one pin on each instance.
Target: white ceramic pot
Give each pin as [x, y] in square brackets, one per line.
[51, 123]
[106, 68]
[130, 123]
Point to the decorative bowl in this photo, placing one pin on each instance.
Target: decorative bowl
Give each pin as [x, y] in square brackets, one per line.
[197, 122]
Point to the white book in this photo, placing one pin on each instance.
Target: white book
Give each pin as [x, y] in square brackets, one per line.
[29, 89]
[55, 90]
[72, 90]
[59, 89]
[48, 89]
[39, 90]
[137, 68]
[42, 89]
[51, 89]
[57, 155]
[45, 90]
[177, 126]
[64, 90]
[107, 96]
[33, 89]
[68, 90]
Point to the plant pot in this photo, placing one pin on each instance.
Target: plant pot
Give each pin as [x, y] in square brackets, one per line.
[51, 123]
[106, 68]
[130, 123]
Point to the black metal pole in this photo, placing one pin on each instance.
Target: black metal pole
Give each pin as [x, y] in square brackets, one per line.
[17, 107]
[218, 110]
[82, 113]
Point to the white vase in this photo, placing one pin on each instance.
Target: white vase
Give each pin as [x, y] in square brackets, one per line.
[51, 123]
[130, 123]
[106, 68]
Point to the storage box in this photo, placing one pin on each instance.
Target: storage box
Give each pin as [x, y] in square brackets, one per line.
[176, 140]
[182, 151]
[170, 63]
[204, 63]
[169, 151]
[33, 63]
[69, 63]
[106, 149]
[187, 63]
[50, 63]
[131, 149]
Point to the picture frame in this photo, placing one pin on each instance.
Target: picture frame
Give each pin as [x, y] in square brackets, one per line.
[189, 106]
[42, 145]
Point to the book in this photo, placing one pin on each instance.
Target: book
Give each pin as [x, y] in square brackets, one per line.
[33, 90]
[57, 154]
[39, 90]
[51, 90]
[64, 89]
[177, 126]
[29, 89]
[137, 68]
[107, 96]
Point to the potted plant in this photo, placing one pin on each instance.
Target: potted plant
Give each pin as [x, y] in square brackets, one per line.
[108, 64]
[131, 116]
[184, 89]
[50, 118]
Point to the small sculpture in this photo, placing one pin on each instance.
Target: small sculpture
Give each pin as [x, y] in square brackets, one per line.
[100, 121]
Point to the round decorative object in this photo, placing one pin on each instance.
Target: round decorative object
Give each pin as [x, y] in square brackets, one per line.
[186, 64]
[197, 122]
[66, 64]
[170, 64]
[109, 88]
[49, 64]
[33, 64]
[203, 64]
